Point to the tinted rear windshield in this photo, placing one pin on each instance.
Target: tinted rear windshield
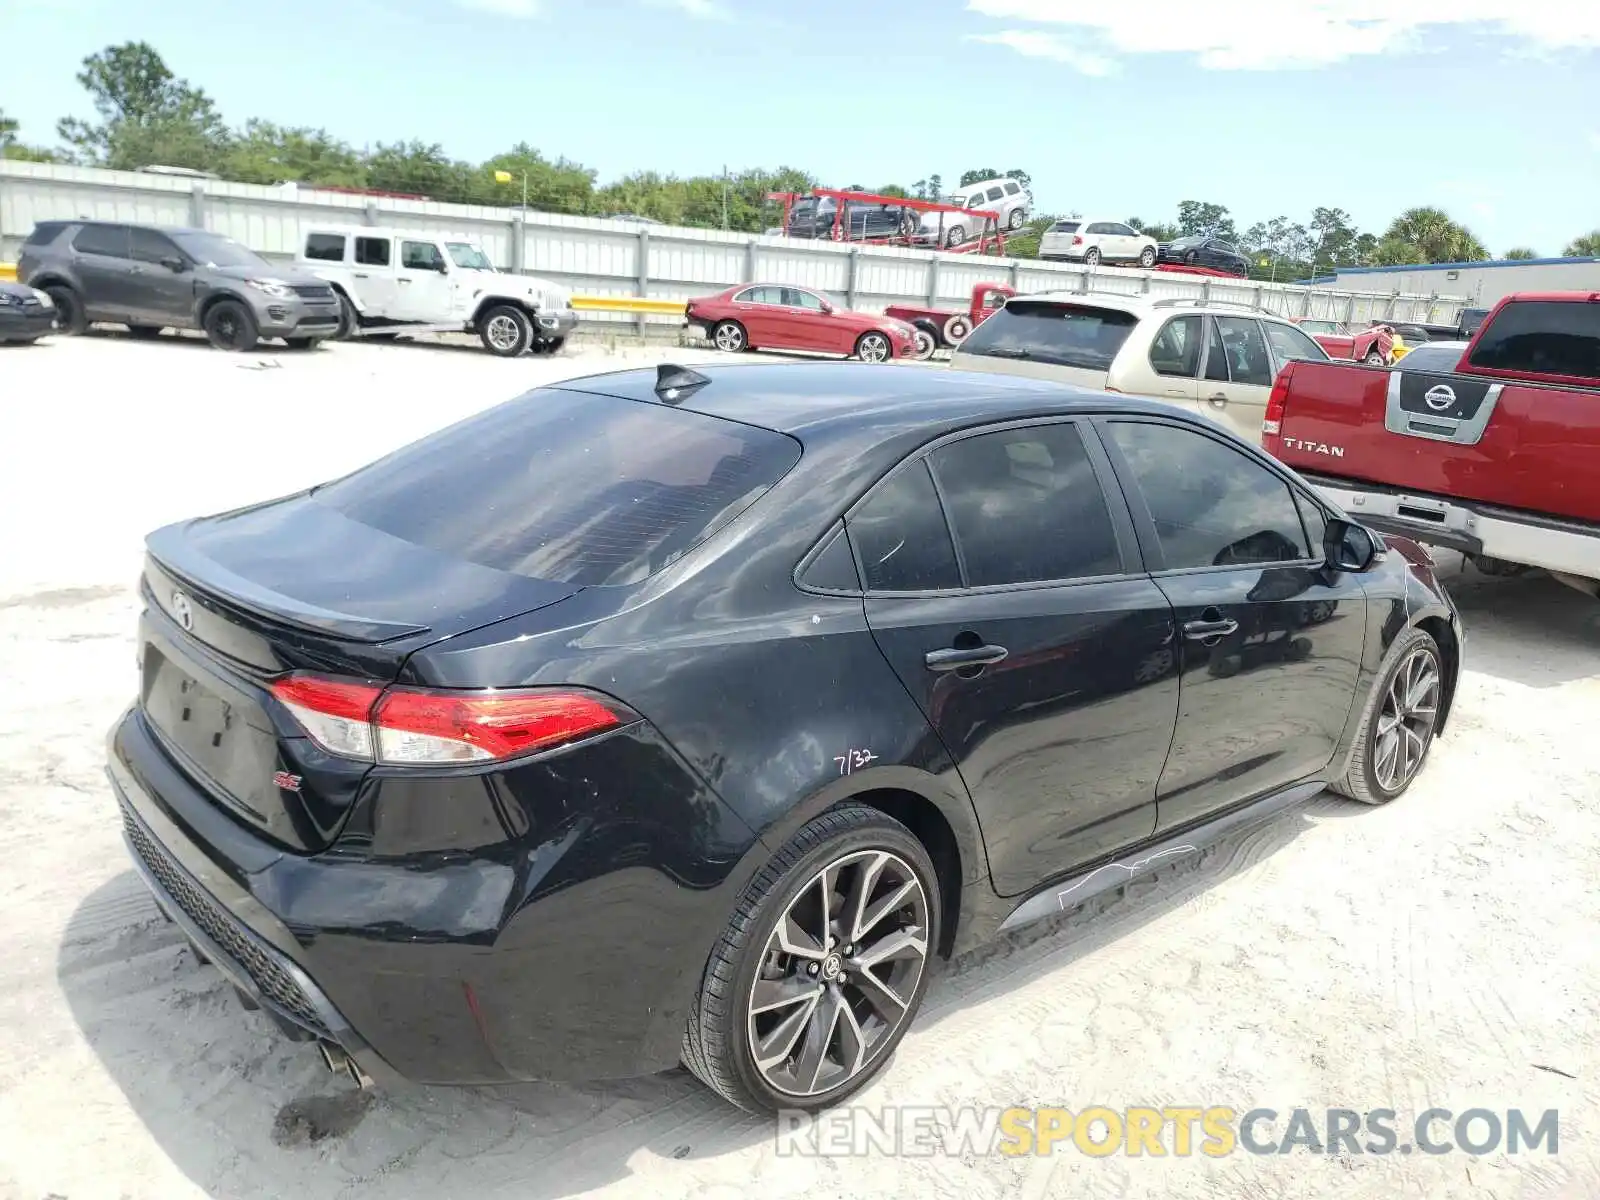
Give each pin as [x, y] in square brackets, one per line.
[570, 487]
[1068, 335]
[1065, 227]
[1542, 337]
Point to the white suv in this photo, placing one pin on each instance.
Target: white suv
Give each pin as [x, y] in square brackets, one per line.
[398, 281]
[1214, 358]
[1093, 242]
[1006, 197]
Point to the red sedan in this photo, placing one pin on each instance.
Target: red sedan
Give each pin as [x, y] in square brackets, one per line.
[777, 316]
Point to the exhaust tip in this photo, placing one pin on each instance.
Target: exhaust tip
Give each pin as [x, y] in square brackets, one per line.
[339, 1062]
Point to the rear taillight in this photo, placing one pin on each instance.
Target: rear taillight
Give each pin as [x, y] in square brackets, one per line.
[402, 726]
[1277, 399]
[1077, 239]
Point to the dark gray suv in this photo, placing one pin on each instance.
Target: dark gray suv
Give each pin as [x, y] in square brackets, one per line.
[151, 278]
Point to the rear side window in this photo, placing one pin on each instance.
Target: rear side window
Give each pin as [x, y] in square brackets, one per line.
[1542, 337]
[1212, 505]
[901, 537]
[1013, 188]
[1246, 350]
[1067, 335]
[109, 240]
[45, 232]
[325, 247]
[995, 193]
[372, 251]
[1176, 349]
[1026, 507]
[569, 487]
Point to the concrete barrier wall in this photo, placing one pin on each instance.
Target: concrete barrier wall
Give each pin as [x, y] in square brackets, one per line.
[598, 257]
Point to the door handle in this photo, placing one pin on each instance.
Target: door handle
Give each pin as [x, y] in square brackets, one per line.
[1202, 630]
[1220, 400]
[405, 281]
[362, 275]
[954, 659]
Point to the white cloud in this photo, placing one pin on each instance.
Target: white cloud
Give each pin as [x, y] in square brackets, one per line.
[520, 9]
[703, 10]
[1247, 35]
[1037, 44]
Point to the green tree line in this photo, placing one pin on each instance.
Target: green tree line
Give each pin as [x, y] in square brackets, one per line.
[148, 116]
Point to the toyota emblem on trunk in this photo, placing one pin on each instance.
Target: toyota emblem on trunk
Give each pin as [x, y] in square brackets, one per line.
[182, 612]
[1439, 397]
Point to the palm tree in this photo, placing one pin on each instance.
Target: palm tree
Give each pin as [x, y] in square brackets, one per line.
[1435, 236]
[1587, 246]
[1521, 252]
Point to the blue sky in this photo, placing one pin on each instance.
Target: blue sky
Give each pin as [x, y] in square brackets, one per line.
[1116, 107]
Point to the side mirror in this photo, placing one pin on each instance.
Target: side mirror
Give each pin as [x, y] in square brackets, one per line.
[1348, 546]
[174, 264]
[827, 308]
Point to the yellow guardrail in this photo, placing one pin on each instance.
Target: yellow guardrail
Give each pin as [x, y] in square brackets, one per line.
[8, 272]
[632, 304]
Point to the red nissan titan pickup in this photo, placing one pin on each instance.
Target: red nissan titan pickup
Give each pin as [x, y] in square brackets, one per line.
[1496, 454]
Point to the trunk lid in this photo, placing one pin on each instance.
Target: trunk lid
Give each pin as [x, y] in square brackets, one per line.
[236, 600]
[1520, 446]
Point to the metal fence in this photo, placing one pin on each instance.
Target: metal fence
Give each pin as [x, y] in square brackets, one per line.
[599, 257]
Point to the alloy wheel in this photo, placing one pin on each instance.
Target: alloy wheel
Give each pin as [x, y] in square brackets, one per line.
[502, 332]
[873, 348]
[838, 973]
[227, 328]
[1406, 721]
[729, 337]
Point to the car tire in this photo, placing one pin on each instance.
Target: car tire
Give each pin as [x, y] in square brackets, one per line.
[1147, 257]
[1189, 258]
[70, 317]
[927, 337]
[505, 331]
[730, 337]
[349, 319]
[1374, 358]
[957, 329]
[1014, 221]
[1411, 688]
[146, 332]
[229, 325]
[874, 347]
[778, 939]
[1091, 256]
[301, 343]
[955, 237]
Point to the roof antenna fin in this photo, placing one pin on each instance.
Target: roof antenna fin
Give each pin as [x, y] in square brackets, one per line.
[675, 383]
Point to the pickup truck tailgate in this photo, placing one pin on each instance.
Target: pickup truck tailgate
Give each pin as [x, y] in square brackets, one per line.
[1519, 446]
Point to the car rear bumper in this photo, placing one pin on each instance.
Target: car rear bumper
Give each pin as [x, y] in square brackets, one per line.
[1557, 545]
[554, 952]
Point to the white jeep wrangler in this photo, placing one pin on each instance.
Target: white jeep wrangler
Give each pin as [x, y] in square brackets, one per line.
[393, 281]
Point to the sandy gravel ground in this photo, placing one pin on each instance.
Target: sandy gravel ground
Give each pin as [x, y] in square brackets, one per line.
[1442, 951]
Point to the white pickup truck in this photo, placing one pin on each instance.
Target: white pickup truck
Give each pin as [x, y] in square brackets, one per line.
[393, 281]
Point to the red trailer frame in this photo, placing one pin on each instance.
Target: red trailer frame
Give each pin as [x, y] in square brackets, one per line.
[992, 235]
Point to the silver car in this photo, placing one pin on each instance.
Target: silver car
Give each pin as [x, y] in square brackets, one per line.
[1005, 197]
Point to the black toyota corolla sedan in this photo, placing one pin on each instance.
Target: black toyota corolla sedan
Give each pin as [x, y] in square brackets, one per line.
[663, 716]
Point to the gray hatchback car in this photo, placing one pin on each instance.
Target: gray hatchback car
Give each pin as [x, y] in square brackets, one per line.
[151, 278]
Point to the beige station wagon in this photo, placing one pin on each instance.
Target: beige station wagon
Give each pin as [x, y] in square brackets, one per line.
[1215, 358]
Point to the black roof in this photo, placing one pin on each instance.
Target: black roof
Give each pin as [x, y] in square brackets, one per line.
[840, 398]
